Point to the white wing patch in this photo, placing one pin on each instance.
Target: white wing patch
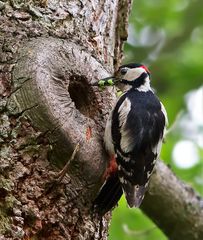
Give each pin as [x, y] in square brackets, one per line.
[123, 111]
[127, 143]
[128, 173]
[126, 159]
[122, 180]
[108, 136]
[164, 113]
[157, 149]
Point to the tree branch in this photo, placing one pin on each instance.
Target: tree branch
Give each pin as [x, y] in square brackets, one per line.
[173, 205]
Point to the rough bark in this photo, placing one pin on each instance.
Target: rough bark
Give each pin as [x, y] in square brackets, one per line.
[50, 52]
[174, 206]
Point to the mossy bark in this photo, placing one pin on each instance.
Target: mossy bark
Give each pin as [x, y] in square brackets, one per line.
[50, 52]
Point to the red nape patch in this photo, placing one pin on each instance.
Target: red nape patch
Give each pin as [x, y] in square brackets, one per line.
[145, 68]
[112, 168]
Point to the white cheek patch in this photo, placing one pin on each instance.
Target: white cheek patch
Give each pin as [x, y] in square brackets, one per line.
[146, 86]
[133, 73]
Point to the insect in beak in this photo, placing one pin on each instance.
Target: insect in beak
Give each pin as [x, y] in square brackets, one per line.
[109, 81]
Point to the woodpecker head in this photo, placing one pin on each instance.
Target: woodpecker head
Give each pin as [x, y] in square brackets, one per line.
[134, 74]
[131, 75]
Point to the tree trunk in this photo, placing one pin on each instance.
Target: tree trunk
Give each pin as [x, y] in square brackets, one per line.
[50, 52]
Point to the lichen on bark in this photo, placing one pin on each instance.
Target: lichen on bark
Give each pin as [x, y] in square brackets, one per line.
[35, 134]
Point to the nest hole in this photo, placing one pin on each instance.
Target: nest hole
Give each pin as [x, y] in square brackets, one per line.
[83, 96]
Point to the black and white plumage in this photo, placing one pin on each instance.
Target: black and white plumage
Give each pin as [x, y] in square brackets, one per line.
[133, 134]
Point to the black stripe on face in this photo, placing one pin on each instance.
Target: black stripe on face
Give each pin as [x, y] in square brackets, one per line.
[137, 82]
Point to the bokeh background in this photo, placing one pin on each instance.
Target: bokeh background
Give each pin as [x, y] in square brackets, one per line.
[167, 36]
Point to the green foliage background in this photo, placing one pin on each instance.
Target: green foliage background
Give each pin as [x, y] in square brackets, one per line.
[168, 37]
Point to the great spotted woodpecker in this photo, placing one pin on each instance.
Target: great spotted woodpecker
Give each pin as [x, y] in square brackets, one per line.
[133, 138]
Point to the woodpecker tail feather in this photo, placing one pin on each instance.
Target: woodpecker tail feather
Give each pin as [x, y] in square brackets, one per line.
[134, 173]
[109, 195]
[134, 194]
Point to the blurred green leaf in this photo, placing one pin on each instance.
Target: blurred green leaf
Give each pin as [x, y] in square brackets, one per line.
[167, 36]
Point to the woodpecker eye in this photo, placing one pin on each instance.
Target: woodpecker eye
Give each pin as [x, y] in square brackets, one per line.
[123, 71]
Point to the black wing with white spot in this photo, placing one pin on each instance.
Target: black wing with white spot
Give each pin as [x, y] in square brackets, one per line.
[138, 124]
